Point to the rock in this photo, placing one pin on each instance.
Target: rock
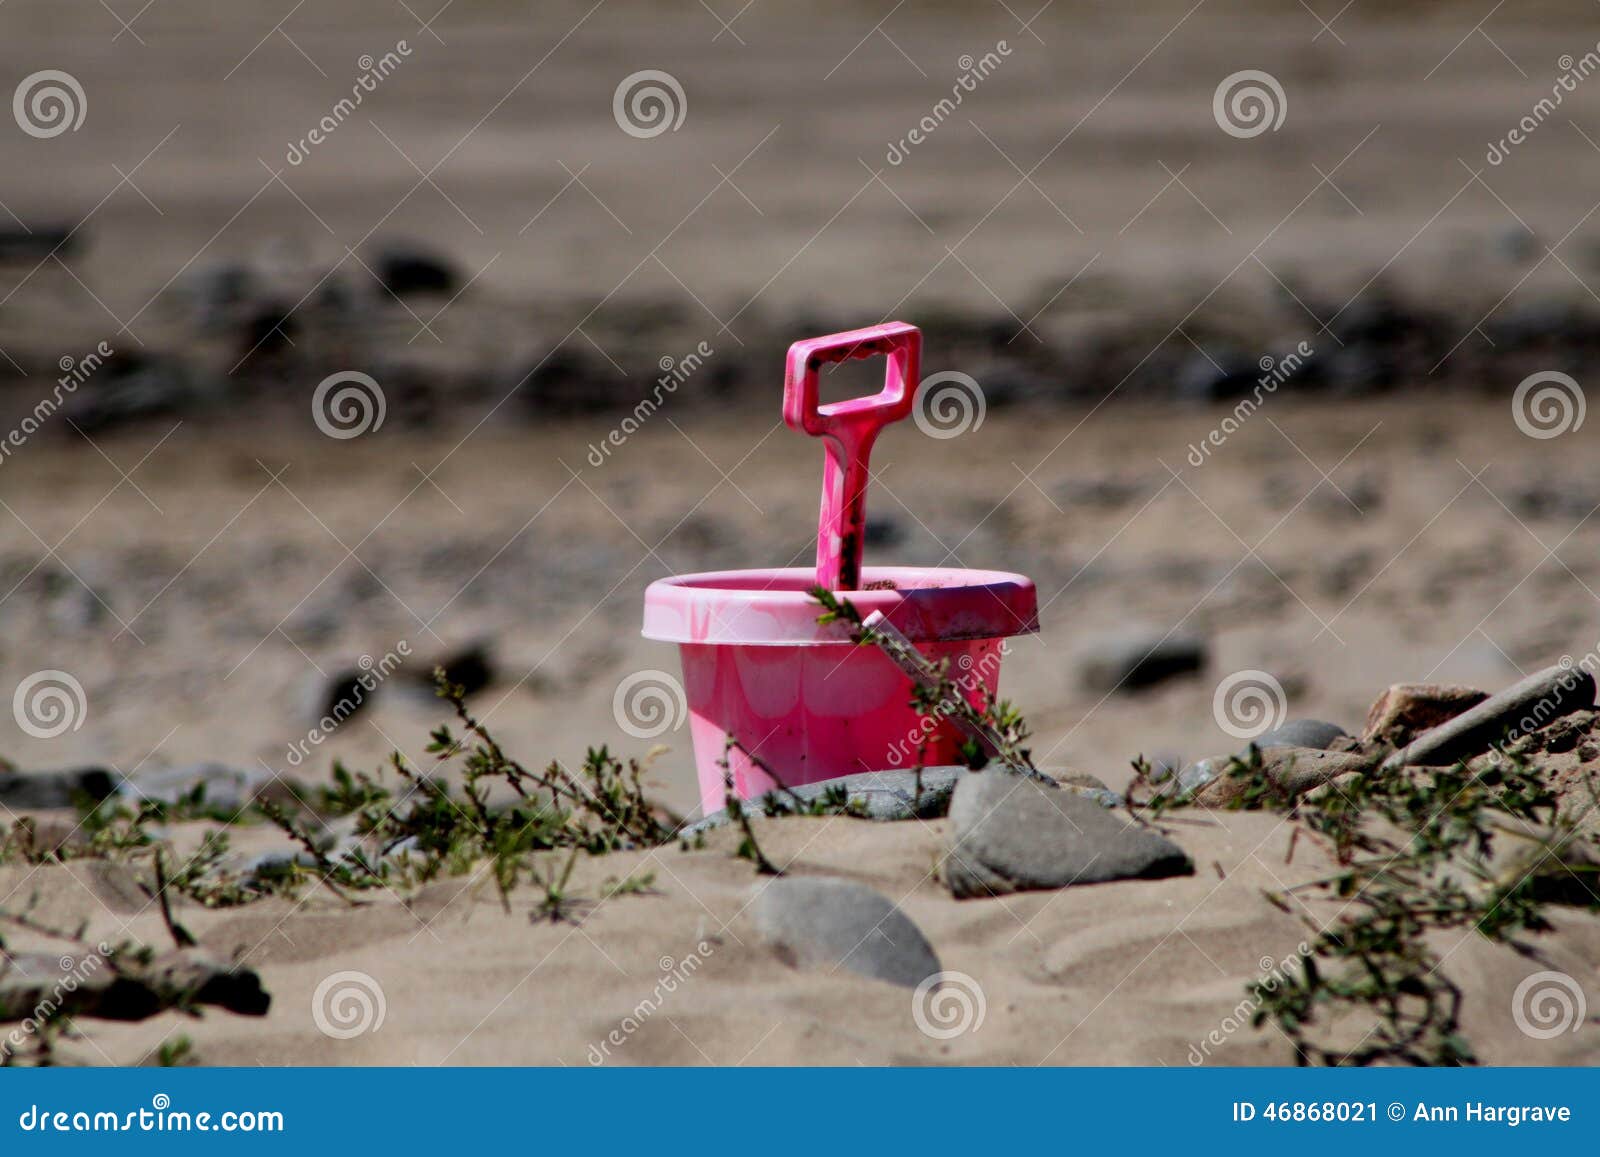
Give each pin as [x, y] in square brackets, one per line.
[1406, 710]
[267, 329]
[19, 242]
[228, 789]
[131, 387]
[830, 924]
[1312, 733]
[1218, 377]
[338, 697]
[1294, 770]
[402, 268]
[89, 984]
[892, 795]
[1013, 834]
[882, 530]
[1523, 707]
[23, 790]
[565, 382]
[889, 796]
[1131, 660]
[470, 668]
[1199, 773]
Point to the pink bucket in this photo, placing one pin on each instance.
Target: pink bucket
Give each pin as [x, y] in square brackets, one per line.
[805, 699]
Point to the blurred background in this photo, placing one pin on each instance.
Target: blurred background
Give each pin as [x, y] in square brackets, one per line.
[323, 325]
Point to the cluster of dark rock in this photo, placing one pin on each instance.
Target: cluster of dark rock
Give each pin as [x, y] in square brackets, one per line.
[255, 334]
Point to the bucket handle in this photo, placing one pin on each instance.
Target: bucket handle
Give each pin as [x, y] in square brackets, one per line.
[848, 430]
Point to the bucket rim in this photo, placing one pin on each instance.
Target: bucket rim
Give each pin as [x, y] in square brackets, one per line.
[771, 606]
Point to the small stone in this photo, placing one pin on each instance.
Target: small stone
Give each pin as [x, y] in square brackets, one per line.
[830, 924]
[67, 787]
[338, 697]
[1520, 709]
[1199, 773]
[1294, 770]
[471, 668]
[1013, 834]
[890, 796]
[1312, 733]
[228, 789]
[131, 387]
[1406, 710]
[1131, 660]
[882, 530]
[404, 269]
